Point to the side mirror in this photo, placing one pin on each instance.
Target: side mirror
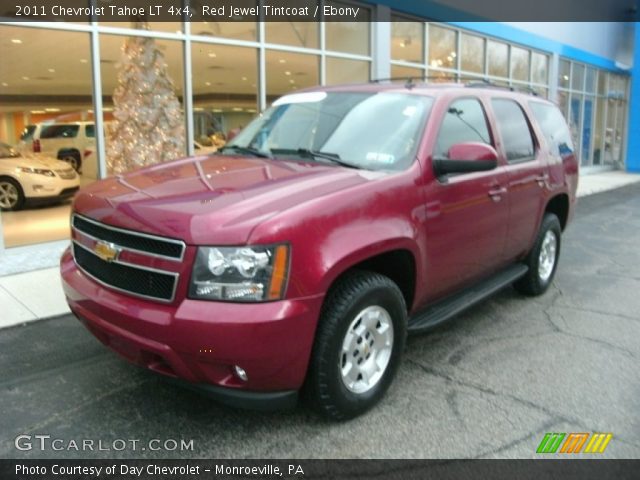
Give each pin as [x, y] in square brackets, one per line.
[467, 157]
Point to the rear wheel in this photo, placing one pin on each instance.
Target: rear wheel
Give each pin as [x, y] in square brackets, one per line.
[11, 194]
[543, 258]
[360, 339]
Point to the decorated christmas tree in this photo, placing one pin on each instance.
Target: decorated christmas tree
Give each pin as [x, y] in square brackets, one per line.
[149, 124]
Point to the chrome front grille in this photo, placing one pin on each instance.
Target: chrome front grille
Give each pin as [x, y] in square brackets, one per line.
[125, 276]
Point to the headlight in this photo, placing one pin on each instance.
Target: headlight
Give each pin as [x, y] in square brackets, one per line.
[38, 171]
[240, 274]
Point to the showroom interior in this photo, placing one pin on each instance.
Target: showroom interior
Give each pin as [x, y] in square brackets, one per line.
[225, 73]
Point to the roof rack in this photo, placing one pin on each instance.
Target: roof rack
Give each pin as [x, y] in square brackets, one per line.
[410, 81]
[473, 82]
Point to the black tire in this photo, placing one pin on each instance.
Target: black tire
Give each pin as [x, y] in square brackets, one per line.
[19, 203]
[72, 157]
[352, 294]
[533, 283]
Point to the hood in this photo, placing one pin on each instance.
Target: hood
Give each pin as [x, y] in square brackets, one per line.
[33, 162]
[214, 198]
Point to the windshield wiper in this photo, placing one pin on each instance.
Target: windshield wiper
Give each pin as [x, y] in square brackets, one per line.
[332, 157]
[250, 150]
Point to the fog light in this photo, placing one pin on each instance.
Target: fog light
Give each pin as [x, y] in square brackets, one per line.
[240, 373]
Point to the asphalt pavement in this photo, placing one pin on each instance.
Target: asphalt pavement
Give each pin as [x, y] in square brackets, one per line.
[489, 384]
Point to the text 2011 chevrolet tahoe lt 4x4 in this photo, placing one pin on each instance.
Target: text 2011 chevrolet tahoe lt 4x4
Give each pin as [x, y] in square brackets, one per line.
[338, 221]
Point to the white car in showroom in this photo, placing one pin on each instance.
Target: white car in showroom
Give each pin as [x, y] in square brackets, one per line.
[33, 180]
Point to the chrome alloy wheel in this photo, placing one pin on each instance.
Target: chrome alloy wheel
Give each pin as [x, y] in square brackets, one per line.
[8, 195]
[547, 258]
[366, 349]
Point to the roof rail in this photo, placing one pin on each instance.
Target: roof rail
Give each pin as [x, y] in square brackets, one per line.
[473, 82]
[410, 81]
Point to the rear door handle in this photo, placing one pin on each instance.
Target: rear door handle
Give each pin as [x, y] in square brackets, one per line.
[496, 193]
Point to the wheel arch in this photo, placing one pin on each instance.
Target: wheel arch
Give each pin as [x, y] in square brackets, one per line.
[397, 262]
[559, 206]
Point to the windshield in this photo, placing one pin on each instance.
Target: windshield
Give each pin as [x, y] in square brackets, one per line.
[7, 151]
[373, 131]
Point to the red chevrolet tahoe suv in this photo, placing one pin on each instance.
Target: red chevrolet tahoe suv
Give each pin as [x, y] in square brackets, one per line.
[298, 258]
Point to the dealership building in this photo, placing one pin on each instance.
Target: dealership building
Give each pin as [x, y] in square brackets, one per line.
[224, 73]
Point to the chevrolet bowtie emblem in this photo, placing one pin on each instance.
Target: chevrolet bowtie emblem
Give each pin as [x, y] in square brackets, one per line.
[106, 251]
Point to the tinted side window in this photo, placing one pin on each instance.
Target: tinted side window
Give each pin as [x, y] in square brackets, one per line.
[554, 127]
[90, 131]
[59, 131]
[464, 121]
[27, 133]
[514, 130]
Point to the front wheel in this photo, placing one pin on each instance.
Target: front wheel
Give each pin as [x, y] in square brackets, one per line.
[543, 258]
[11, 194]
[358, 346]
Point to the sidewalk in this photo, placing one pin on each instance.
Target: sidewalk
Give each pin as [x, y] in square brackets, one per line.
[35, 295]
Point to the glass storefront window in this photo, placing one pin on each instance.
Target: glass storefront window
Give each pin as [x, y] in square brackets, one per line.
[146, 73]
[232, 30]
[349, 37]
[224, 83]
[575, 120]
[241, 28]
[577, 77]
[298, 34]
[169, 27]
[442, 47]
[287, 72]
[590, 82]
[519, 64]
[539, 68]
[344, 70]
[602, 83]
[564, 74]
[47, 115]
[598, 131]
[471, 53]
[400, 71]
[498, 60]
[407, 40]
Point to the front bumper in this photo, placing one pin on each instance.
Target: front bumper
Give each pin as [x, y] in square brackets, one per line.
[200, 341]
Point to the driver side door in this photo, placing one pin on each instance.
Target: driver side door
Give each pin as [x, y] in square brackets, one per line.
[467, 213]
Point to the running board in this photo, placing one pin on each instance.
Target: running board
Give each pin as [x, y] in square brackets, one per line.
[443, 310]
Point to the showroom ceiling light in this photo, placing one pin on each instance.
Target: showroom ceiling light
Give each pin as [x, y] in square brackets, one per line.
[52, 70]
[37, 112]
[236, 109]
[282, 60]
[244, 79]
[5, 84]
[212, 55]
[25, 78]
[208, 84]
[83, 60]
[17, 41]
[287, 73]
[52, 109]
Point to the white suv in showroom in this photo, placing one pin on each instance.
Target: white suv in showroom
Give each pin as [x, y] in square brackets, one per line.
[33, 180]
[70, 142]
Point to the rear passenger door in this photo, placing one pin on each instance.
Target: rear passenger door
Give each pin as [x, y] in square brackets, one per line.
[526, 171]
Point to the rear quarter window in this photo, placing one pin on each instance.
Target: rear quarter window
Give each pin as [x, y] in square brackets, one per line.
[554, 127]
[90, 131]
[59, 131]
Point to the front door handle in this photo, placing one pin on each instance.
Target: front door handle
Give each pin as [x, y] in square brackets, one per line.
[542, 179]
[496, 193]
